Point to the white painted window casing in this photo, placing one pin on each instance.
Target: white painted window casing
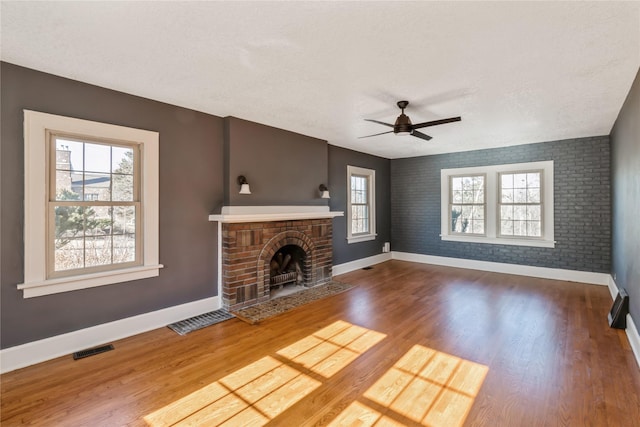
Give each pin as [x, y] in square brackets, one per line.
[492, 186]
[37, 127]
[361, 207]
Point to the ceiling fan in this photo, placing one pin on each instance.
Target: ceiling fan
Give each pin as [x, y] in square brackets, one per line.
[404, 127]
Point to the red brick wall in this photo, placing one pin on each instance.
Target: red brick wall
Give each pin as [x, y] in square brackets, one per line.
[247, 249]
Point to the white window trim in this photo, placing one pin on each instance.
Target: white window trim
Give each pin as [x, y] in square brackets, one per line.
[36, 125]
[371, 175]
[491, 215]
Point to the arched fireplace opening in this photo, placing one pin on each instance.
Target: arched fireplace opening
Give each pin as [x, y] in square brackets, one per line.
[286, 267]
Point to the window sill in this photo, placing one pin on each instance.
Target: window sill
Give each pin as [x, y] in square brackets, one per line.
[66, 284]
[541, 243]
[361, 238]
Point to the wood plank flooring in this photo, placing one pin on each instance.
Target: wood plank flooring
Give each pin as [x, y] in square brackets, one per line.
[412, 344]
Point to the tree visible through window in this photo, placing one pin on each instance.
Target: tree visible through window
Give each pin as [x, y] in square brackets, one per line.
[94, 204]
[361, 221]
[467, 204]
[521, 204]
[359, 204]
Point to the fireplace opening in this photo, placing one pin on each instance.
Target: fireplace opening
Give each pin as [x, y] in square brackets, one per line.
[286, 270]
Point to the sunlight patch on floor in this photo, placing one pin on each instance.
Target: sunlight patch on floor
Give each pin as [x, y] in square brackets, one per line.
[259, 392]
[425, 386]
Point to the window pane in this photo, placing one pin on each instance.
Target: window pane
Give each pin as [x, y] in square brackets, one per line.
[478, 212]
[467, 196]
[520, 180]
[519, 212]
[533, 229]
[456, 183]
[97, 158]
[124, 248]
[359, 219]
[122, 188]
[533, 195]
[69, 223]
[506, 228]
[359, 189]
[520, 196]
[64, 190]
[68, 253]
[457, 196]
[478, 227]
[97, 220]
[533, 213]
[124, 220]
[97, 186]
[122, 162]
[507, 196]
[507, 180]
[456, 211]
[478, 182]
[69, 155]
[97, 251]
[506, 212]
[533, 180]
[519, 228]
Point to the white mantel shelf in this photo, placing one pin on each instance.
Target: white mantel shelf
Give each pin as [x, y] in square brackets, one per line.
[234, 214]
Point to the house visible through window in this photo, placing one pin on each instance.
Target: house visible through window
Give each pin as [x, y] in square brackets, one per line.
[91, 204]
[361, 204]
[501, 204]
[94, 204]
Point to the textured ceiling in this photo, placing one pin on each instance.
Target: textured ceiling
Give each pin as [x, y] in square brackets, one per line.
[517, 72]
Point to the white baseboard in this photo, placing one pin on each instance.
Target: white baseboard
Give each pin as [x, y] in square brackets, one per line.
[34, 352]
[498, 267]
[360, 263]
[613, 288]
[633, 337]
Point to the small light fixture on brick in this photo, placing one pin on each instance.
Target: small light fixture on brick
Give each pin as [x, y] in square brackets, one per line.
[244, 185]
[324, 192]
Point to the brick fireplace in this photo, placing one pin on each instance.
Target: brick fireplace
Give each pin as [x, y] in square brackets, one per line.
[249, 242]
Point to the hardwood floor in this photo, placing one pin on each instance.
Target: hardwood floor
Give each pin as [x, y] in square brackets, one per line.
[411, 345]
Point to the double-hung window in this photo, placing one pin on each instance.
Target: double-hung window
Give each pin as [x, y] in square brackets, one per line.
[467, 204]
[91, 204]
[94, 205]
[361, 225]
[501, 204]
[521, 204]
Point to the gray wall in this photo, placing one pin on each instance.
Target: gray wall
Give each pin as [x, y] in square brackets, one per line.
[282, 167]
[582, 205]
[191, 164]
[339, 158]
[625, 172]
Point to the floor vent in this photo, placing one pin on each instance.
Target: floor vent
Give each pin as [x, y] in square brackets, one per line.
[92, 351]
[367, 268]
[194, 323]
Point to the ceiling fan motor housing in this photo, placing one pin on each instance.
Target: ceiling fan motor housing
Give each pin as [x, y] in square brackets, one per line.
[403, 124]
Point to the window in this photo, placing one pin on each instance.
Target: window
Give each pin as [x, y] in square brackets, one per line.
[361, 224]
[91, 204]
[500, 204]
[94, 205]
[467, 204]
[520, 204]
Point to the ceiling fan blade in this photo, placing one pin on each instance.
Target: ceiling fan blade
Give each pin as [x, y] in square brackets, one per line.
[436, 122]
[375, 134]
[380, 123]
[421, 135]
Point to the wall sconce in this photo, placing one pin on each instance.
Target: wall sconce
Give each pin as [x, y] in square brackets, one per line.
[244, 185]
[324, 192]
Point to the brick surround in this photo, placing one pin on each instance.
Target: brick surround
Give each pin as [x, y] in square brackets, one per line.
[247, 249]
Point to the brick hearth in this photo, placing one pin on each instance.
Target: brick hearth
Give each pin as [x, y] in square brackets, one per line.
[247, 249]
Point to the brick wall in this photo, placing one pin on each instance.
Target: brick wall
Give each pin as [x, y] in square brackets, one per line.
[582, 205]
[247, 249]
